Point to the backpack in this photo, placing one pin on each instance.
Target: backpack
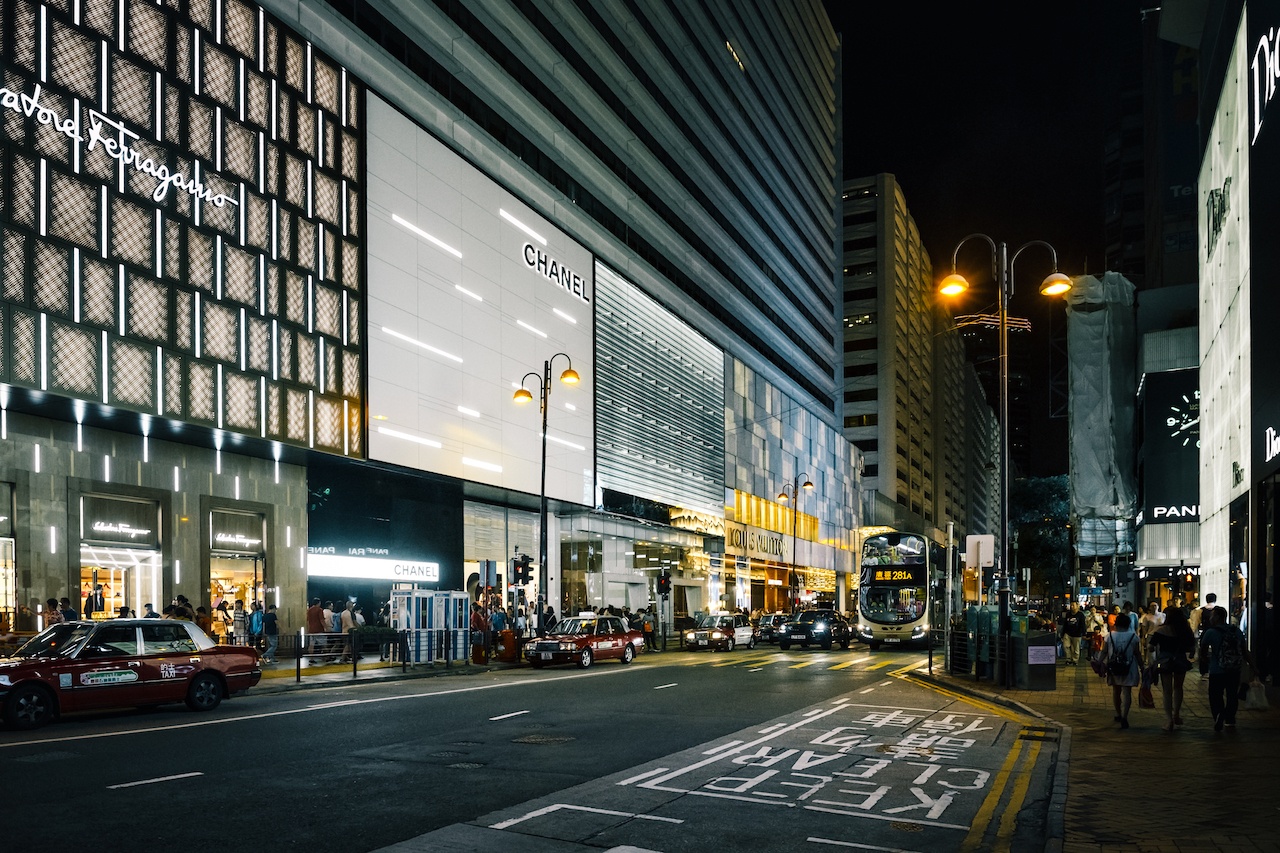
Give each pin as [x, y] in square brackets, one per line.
[1229, 656]
[255, 622]
[337, 622]
[1118, 663]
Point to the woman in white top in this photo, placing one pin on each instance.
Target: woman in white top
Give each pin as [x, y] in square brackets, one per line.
[1148, 623]
[1122, 645]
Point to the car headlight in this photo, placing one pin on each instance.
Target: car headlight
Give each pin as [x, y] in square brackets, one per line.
[689, 636]
[819, 627]
[716, 635]
[568, 647]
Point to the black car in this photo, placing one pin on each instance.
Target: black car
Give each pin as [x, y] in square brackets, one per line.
[769, 625]
[823, 627]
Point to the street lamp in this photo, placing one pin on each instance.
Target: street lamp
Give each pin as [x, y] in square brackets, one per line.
[1055, 284]
[523, 395]
[791, 492]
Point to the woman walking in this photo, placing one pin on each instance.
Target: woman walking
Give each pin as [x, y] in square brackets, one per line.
[1120, 651]
[1171, 646]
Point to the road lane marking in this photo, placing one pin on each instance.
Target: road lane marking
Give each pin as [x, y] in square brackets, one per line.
[990, 708]
[546, 810]
[665, 686]
[844, 665]
[722, 747]
[757, 669]
[1008, 820]
[816, 840]
[645, 775]
[265, 715]
[153, 781]
[802, 665]
[973, 841]
[868, 690]
[508, 716]
[889, 817]
[880, 665]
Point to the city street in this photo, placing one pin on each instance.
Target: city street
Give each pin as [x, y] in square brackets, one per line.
[809, 749]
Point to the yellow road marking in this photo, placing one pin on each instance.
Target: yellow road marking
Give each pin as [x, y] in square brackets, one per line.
[1008, 820]
[880, 665]
[990, 708]
[844, 665]
[978, 828]
[799, 665]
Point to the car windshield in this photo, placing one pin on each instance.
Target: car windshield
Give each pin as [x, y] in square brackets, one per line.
[711, 620]
[55, 641]
[814, 616]
[576, 627]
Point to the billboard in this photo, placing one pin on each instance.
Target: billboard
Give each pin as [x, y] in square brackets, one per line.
[471, 291]
[1171, 447]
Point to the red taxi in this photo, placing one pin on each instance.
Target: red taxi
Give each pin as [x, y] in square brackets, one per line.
[81, 666]
[584, 639]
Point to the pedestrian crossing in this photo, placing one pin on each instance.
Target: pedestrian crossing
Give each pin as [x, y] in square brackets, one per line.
[759, 659]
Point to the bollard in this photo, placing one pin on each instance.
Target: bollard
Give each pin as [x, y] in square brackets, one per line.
[355, 654]
[445, 648]
[404, 651]
[297, 656]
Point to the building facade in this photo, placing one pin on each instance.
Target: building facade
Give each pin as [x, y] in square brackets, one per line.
[271, 276]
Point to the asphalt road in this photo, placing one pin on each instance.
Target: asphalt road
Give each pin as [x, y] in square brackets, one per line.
[798, 745]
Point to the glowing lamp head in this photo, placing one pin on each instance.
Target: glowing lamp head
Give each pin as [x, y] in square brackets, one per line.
[1055, 284]
[808, 487]
[523, 395]
[570, 377]
[783, 497]
[954, 285]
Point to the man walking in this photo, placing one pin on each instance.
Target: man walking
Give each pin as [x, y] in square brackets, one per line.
[1073, 631]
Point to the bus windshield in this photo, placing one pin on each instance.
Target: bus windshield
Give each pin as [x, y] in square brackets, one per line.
[894, 584]
[892, 604]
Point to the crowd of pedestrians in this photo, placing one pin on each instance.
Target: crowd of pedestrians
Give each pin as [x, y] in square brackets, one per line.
[1157, 648]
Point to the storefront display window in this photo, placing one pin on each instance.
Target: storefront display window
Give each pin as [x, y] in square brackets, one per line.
[119, 556]
[237, 560]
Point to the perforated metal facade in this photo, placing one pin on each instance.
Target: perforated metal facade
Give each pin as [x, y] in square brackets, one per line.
[181, 216]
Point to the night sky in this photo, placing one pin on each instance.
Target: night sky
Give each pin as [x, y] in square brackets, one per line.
[993, 118]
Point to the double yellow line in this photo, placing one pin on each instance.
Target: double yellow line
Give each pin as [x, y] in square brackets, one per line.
[976, 839]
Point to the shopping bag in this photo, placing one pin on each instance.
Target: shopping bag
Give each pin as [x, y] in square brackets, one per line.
[1145, 699]
[1256, 700]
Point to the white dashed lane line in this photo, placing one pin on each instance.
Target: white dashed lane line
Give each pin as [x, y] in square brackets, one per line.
[153, 781]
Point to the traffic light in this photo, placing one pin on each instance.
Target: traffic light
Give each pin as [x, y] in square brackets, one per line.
[523, 570]
[664, 583]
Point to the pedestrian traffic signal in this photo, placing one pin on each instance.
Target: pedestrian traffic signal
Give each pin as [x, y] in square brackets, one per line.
[664, 583]
[523, 569]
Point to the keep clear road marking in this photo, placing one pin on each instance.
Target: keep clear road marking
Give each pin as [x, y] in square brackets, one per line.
[153, 781]
[507, 716]
[802, 665]
[855, 845]
[844, 665]
[665, 686]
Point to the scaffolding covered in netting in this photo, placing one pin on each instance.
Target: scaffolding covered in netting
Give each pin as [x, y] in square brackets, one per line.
[1101, 343]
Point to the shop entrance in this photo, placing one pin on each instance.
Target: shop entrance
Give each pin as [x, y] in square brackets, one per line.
[112, 578]
[237, 565]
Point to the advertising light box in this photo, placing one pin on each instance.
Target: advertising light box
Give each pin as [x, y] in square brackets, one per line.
[471, 292]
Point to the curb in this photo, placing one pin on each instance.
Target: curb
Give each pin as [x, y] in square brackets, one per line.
[289, 685]
[1056, 821]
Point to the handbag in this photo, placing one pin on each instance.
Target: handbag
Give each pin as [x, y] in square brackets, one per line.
[1145, 698]
[1099, 664]
[1256, 699]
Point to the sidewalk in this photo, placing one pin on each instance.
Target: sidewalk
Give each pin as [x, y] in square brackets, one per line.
[281, 677]
[1144, 790]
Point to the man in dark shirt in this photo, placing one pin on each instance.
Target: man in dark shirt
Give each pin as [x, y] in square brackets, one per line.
[1072, 631]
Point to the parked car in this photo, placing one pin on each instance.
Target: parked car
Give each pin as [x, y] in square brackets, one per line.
[823, 627]
[767, 630]
[119, 663]
[720, 631]
[583, 640]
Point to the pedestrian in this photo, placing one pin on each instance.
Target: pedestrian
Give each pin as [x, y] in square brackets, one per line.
[221, 620]
[202, 619]
[1094, 627]
[549, 623]
[1200, 616]
[1072, 633]
[239, 623]
[346, 624]
[649, 626]
[1222, 654]
[1150, 621]
[150, 612]
[94, 602]
[1120, 651]
[479, 627]
[51, 614]
[383, 621]
[315, 624]
[271, 631]
[68, 612]
[497, 624]
[522, 624]
[254, 625]
[1171, 646]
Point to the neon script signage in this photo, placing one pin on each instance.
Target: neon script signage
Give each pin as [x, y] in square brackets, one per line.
[1266, 70]
[99, 130]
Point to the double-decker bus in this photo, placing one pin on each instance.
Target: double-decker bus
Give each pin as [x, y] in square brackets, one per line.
[900, 592]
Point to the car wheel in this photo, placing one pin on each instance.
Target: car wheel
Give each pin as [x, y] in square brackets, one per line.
[30, 706]
[751, 644]
[844, 644]
[784, 645]
[585, 660]
[728, 645]
[205, 692]
[628, 654]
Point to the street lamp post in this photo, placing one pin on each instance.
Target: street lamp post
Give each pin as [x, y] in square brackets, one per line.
[523, 395]
[791, 492]
[1054, 285]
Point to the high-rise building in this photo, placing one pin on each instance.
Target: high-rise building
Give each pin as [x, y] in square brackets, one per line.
[907, 404]
[270, 275]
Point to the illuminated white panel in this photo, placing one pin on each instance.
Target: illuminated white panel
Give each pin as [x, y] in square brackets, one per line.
[471, 303]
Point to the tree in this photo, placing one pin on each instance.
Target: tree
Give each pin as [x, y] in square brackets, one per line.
[1039, 514]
